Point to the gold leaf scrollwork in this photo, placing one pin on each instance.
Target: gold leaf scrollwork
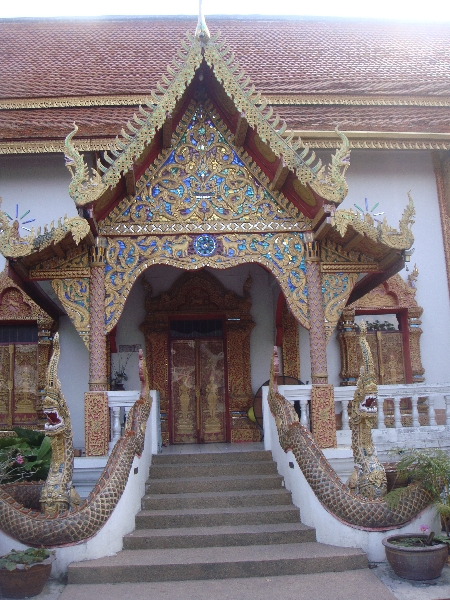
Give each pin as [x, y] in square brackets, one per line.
[74, 296]
[400, 239]
[85, 187]
[12, 245]
[202, 181]
[336, 289]
[281, 253]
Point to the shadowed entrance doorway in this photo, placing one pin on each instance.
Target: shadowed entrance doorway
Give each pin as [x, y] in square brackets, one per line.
[197, 381]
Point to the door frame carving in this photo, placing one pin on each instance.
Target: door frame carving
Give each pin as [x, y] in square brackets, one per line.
[196, 294]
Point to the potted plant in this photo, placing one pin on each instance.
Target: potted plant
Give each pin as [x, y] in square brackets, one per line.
[421, 556]
[23, 573]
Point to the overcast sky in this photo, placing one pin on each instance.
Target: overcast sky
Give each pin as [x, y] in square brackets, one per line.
[431, 10]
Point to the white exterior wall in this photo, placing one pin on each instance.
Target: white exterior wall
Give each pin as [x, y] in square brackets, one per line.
[38, 183]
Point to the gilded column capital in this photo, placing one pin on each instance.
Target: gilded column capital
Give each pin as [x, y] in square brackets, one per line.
[97, 252]
[312, 247]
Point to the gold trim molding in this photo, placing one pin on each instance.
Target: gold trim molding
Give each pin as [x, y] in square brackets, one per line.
[380, 142]
[274, 99]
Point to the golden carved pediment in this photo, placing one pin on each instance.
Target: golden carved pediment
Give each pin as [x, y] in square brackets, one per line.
[15, 305]
[200, 181]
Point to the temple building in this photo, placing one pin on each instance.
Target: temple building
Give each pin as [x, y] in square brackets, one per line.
[207, 193]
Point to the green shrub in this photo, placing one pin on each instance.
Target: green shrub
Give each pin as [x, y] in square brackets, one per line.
[25, 456]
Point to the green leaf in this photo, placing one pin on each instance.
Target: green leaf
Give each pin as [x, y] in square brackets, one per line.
[45, 449]
[34, 438]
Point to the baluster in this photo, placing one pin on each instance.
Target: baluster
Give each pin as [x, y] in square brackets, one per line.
[431, 412]
[415, 411]
[116, 424]
[381, 424]
[397, 413]
[345, 425]
[447, 410]
[304, 419]
[126, 410]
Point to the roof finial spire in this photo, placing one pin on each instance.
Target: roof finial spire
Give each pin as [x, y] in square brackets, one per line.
[202, 31]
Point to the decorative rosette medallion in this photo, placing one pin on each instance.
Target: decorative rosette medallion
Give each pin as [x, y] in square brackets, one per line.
[205, 245]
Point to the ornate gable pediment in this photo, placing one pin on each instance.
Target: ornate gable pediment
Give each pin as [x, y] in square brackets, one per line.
[309, 175]
[203, 183]
[15, 305]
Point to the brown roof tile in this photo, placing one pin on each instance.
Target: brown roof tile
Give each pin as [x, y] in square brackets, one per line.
[128, 55]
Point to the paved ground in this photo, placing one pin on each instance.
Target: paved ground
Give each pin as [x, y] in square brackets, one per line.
[382, 581]
[403, 589]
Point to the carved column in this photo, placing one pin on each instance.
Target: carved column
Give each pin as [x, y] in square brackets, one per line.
[317, 337]
[323, 420]
[96, 412]
[98, 371]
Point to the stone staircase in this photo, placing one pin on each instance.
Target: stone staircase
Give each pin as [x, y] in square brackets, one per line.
[215, 516]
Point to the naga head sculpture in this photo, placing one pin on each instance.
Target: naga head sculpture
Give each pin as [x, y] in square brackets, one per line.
[366, 394]
[53, 405]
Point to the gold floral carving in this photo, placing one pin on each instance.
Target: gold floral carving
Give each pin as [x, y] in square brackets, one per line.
[15, 306]
[274, 99]
[74, 264]
[333, 257]
[202, 180]
[394, 295]
[92, 145]
[336, 289]
[281, 254]
[323, 420]
[74, 296]
[96, 423]
[400, 239]
[86, 185]
[201, 293]
[12, 245]
[291, 354]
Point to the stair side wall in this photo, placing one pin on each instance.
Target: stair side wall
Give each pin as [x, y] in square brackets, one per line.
[329, 529]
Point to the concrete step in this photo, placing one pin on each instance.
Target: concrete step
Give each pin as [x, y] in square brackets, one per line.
[202, 563]
[212, 469]
[209, 484]
[212, 457]
[213, 517]
[222, 535]
[216, 499]
[360, 583]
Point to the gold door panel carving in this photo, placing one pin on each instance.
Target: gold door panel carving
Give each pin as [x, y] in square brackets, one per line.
[198, 391]
[19, 384]
[196, 294]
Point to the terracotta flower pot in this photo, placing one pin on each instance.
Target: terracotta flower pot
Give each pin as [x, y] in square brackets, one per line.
[25, 583]
[420, 563]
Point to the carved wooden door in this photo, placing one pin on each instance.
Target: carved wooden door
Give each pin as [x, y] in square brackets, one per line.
[387, 353]
[198, 412]
[18, 384]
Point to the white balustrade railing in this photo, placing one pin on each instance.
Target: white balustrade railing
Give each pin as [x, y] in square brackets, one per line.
[434, 397]
[120, 404]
